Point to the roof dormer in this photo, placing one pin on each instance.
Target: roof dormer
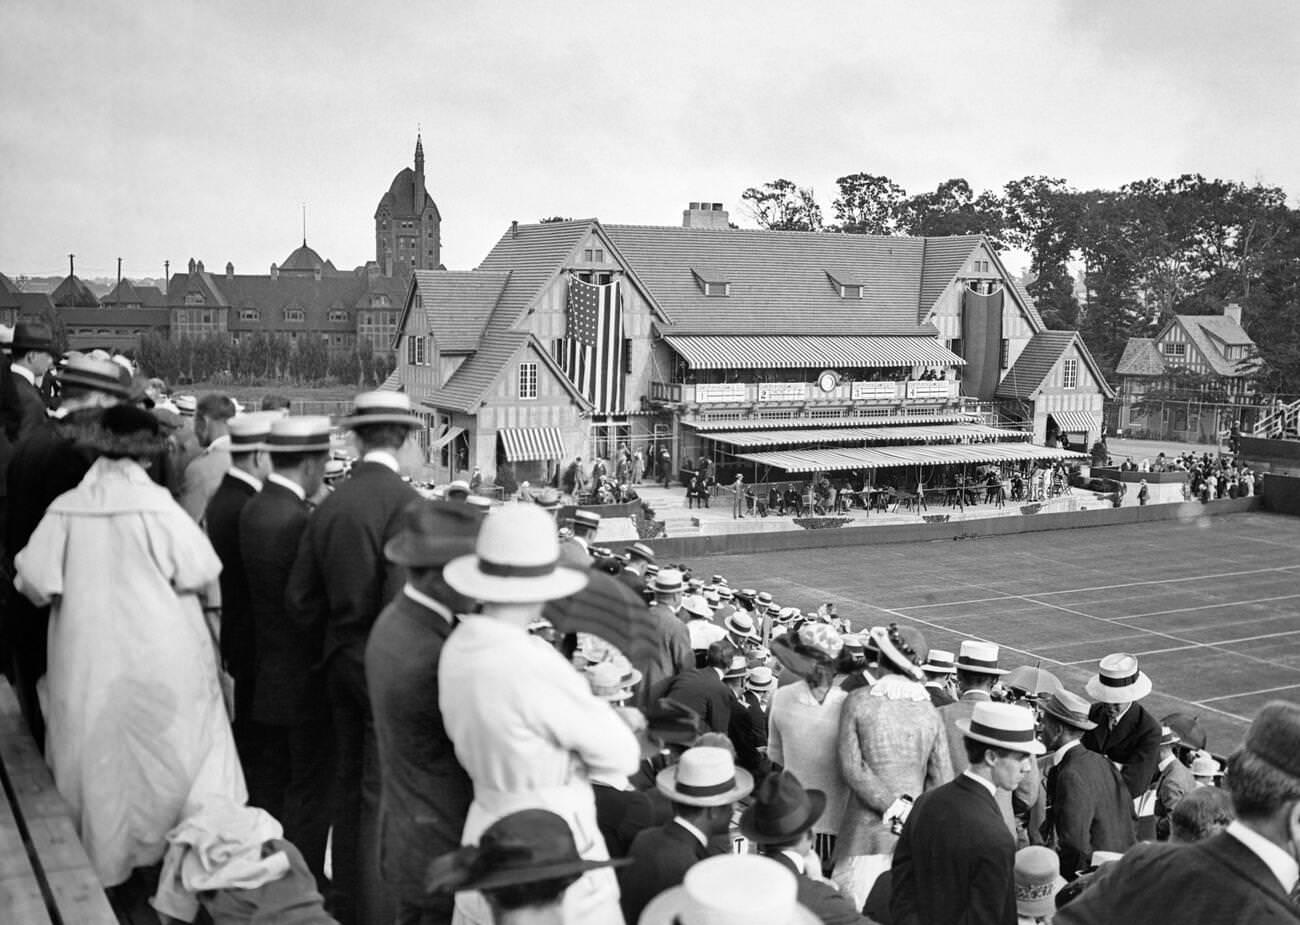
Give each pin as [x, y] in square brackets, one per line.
[711, 282]
[846, 285]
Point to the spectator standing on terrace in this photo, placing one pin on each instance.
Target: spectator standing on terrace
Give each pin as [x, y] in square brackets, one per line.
[205, 472]
[738, 503]
[1126, 733]
[1173, 782]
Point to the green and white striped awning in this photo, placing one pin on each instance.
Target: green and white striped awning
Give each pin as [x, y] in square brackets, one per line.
[943, 433]
[809, 352]
[884, 457]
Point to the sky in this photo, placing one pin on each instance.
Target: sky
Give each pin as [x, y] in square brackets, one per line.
[156, 130]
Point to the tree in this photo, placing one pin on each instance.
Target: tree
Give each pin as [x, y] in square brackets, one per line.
[953, 209]
[553, 219]
[780, 205]
[868, 204]
[1041, 215]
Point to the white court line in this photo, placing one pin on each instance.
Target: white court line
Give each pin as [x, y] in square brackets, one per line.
[1197, 645]
[1266, 690]
[1127, 584]
[1161, 613]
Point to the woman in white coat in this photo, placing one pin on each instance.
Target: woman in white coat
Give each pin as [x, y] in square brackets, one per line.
[525, 724]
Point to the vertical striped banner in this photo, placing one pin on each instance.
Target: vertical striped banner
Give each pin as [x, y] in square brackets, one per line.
[592, 354]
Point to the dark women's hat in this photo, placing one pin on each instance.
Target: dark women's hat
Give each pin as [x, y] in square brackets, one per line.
[31, 337]
[432, 533]
[524, 847]
[782, 810]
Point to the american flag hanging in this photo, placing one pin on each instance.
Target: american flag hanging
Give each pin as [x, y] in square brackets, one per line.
[593, 343]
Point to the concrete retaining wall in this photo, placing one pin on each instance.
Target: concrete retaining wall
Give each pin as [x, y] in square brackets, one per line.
[695, 547]
[1281, 493]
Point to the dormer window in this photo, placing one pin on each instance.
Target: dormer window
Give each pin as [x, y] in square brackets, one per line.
[1175, 350]
[338, 315]
[249, 314]
[848, 287]
[294, 314]
[712, 283]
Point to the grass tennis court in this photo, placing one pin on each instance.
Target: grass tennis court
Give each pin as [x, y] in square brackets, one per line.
[1210, 605]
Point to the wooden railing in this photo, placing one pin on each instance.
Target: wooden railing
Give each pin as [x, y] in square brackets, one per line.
[761, 393]
[1282, 421]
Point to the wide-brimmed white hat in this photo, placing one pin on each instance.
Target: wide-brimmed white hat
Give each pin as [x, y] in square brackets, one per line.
[1004, 725]
[979, 657]
[1118, 680]
[903, 646]
[760, 679]
[939, 661]
[731, 889]
[515, 560]
[705, 776]
[612, 681]
[250, 432]
[697, 606]
[740, 624]
[381, 408]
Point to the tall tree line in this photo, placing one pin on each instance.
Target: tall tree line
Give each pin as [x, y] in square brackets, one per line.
[259, 358]
[1151, 249]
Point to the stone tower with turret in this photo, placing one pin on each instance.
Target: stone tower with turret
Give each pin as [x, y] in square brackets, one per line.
[407, 223]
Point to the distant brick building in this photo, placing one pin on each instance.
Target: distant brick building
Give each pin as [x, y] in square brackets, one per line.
[407, 223]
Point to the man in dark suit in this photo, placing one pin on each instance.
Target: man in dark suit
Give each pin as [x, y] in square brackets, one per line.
[31, 357]
[703, 689]
[703, 787]
[673, 653]
[1088, 806]
[49, 460]
[955, 859]
[340, 582]
[939, 669]
[1126, 733]
[747, 728]
[1245, 874]
[425, 794]
[249, 465]
[780, 822]
[290, 772]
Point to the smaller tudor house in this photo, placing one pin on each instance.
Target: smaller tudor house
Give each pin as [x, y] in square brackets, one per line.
[1057, 385]
[1216, 347]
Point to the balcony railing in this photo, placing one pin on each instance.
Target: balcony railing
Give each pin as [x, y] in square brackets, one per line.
[774, 393]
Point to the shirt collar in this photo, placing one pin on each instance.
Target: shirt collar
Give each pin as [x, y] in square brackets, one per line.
[244, 477]
[700, 836]
[1059, 754]
[276, 478]
[24, 372]
[1166, 762]
[1122, 713]
[795, 858]
[1283, 866]
[986, 784]
[384, 458]
[429, 603]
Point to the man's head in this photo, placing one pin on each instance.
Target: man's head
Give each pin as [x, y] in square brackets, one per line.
[431, 534]
[1118, 684]
[1264, 775]
[33, 347]
[782, 814]
[703, 787]
[999, 741]
[1064, 719]
[1200, 813]
[382, 420]
[939, 667]
[212, 414]
[275, 402]
[668, 587]
[300, 450]
[85, 382]
[977, 666]
[249, 447]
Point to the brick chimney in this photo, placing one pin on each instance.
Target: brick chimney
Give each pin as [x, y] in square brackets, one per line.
[1232, 310]
[705, 215]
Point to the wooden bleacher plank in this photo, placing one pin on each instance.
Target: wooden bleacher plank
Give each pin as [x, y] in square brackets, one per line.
[22, 902]
[14, 862]
[80, 898]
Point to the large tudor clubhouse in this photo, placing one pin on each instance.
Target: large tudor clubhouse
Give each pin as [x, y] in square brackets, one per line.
[777, 351]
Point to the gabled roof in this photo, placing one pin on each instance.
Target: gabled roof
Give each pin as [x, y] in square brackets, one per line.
[73, 293]
[778, 279]
[128, 293]
[458, 304]
[533, 255]
[1026, 376]
[1140, 358]
[469, 385]
[1207, 332]
[943, 260]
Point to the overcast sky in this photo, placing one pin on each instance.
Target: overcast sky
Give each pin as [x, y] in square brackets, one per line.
[165, 129]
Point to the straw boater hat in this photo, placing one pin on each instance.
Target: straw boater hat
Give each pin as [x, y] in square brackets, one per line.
[1204, 765]
[705, 776]
[760, 679]
[251, 432]
[1168, 736]
[527, 846]
[939, 662]
[1118, 680]
[548, 499]
[903, 646]
[740, 623]
[979, 657]
[432, 533]
[1070, 709]
[1038, 879]
[725, 593]
[641, 551]
[731, 889]
[1003, 725]
[308, 434]
[586, 520]
[516, 560]
[782, 810]
[668, 581]
[612, 682]
[101, 375]
[738, 667]
[381, 408]
[697, 607]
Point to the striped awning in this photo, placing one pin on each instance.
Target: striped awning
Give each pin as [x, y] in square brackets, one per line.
[442, 439]
[760, 423]
[532, 443]
[884, 457]
[808, 352]
[1076, 422]
[941, 433]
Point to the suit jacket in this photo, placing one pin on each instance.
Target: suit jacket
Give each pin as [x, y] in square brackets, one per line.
[1088, 809]
[820, 898]
[1215, 880]
[660, 859]
[1030, 787]
[1174, 782]
[46, 462]
[30, 402]
[202, 477]
[703, 691]
[1134, 743]
[747, 730]
[940, 698]
[341, 580]
[425, 793]
[954, 861]
[237, 635]
[672, 657]
[622, 815]
[271, 525]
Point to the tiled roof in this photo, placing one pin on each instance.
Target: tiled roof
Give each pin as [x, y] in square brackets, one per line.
[128, 293]
[533, 256]
[1200, 327]
[1026, 376]
[1036, 319]
[778, 279]
[272, 296]
[944, 257]
[469, 385]
[1140, 358]
[305, 260]
[114, 317]
[458, 304]
[73, 293]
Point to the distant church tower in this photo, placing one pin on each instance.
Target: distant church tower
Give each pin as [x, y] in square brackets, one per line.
[407, 223]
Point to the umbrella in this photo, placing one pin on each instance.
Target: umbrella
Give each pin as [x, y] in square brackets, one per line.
[610, 609]
[1032, 679]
